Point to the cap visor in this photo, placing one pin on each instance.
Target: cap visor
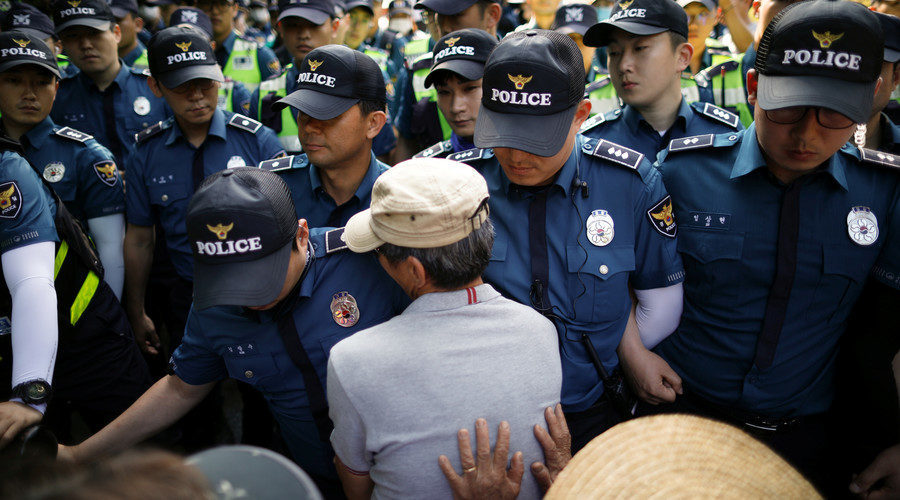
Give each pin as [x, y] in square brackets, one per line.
[314, 16]
[359, 235]
[538, 135]
[316, 104]
[119, 12]
[851, 99]
[40, 35]
[97, 24]
[253, 283]
[172, 79]
[7, 65]
[711, 6]
[445, 7]
[470, 70]
[598, 34]
[353, 5]
[891, 55]
[581, 29]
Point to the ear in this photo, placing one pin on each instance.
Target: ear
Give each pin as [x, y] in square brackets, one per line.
[416, 273]
[684, 53]
[878, 85]
[752, 83]
[492, 14]
[154, 86]
[374, 122]
[302, 234]
[117, 31]
[138, 23]
[335, 25]
[582, 113]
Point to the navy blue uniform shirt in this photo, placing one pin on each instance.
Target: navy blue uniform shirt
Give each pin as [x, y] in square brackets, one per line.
[80, 104]
[627, 126]
[890, 135]
[231, 341]
[27, 210]
[728, 206]
[82, 172]
[311, 200]
[595, 247]
[161, 179]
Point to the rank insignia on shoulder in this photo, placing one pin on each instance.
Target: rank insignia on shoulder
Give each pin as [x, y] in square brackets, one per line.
[719, 114]
[597, 84]
[10, 200]
[71, 133]
[244, 123]
[441, 147]
[879, 157]
[334, 241]
[281, 164]
[693, 142]
[662, 218]
[471, 155]
[150, 131]
[617, 154]
[592, 122]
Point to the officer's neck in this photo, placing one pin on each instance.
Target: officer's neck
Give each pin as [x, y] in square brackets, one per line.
[662, 112]
[104, 79]
[873, 132]
[220, 39]
[124, 51]
[342, 181]
[194, 133]
[14, 130]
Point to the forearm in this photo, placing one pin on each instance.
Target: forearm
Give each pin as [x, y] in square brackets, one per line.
[658, 313]
[108, 233]
[631, 344]
[138, 260]
[738, 23]
[164, 403]
[356, 486]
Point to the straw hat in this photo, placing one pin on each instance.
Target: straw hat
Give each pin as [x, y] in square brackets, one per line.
[678, 456]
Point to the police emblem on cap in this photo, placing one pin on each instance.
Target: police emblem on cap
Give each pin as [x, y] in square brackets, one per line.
[662, 218]
[220, 230]
[21, 20]
[574, 15]
[314, 65]
[74, 3]
[22, 43]
[54, 172]
[189, 16]
[862, 226]
[235, 162]
[344, 309]
[600, 228]
[450, 42]
[106, 171]
[10, 200]
[519, 81]
[141, 106]
[184, 46]
[625, 5]
[826, 39]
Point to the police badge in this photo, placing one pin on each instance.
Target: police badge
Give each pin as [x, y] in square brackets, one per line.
[862, 226]
[235, 162]
[54, 172]
[344, 309]
[600, 228]
[10, 200]
[142, 106]
[106, 171]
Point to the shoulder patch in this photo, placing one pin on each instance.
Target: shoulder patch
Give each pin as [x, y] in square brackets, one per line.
[107, 172]
[616, 153]
[71, 133]
[284, 163]
[334, 241]
[879, 157]
[662, 218]
[244, 123]
[592, 122]
[441, 147]
[471, 155]
[152, 130]
[10, 200]
[693, 142]
[718, 114]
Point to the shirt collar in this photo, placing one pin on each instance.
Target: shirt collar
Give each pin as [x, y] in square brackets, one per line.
[216, 128]
[633, 117]
[364, 191]
[136, 51]
[39, 133]
[566, 175]
[446, 301]
[119, 80]
[228, 44]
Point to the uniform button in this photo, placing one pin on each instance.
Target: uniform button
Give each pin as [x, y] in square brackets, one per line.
[604, 269]
[248, 374]
[165, 197]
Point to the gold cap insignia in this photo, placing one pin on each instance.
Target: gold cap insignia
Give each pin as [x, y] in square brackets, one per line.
[6, 196]
[220, 230]
[22, 43]
[74, 3]
[625, 5]
[452, 41]
[826, 39]
[519, 80]
[184, 46]
[314, 65]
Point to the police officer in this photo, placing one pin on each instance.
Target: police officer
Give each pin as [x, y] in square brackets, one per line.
[304, 27]
[574, 20]
[701, 21]
[71, 333]
[578, 223]
[646, 57]
[28, 18]
[274, 331]
[881, 132]
[131, 50]
[340, 106]
[171, 159]
[456, 72]
[394, 38]
[780, 227]
[241, 59]
[362, 17]
[106, 99]
[639, 18]
[82, 172]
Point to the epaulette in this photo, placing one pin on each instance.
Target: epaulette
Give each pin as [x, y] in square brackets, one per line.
[334, 241]
[597, 84]
[716, 69]
[700, 142]
[152, 130]
[421, 61]
[285, 163]
[879, 158]
[719, 51]
[615, 153]
[71, 133]
[140, 71]
[592, 122]
[471, 155]
[244, 123]
[716, 113]
[441, 147]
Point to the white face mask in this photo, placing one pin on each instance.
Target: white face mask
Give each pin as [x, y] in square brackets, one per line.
[402, 25]
[148, 12]
[259, 15]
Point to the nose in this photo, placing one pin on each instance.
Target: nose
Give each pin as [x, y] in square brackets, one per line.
[808, 127]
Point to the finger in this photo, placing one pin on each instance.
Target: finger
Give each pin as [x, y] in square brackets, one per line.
[542, 475]
[673, 380]
[465, 449]
[482, 444]
[154, 339]
[8, 434]
[447, 469]
[548, 444]
[516, 468]
[665, 394]
[877, 470]
[563, 425]
[501, 449]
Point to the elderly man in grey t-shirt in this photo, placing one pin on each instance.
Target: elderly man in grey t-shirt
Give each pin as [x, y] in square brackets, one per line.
[399, 392]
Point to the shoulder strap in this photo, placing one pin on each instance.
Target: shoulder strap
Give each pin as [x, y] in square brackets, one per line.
[72, 134]
[244, 123]
[879, 158]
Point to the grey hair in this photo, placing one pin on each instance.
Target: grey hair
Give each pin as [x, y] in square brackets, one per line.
[454, 265]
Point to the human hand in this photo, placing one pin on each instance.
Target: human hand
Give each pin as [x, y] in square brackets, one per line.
[14, 418]
[881, 479]
[145, 333]
[650, 377]
[487, 477]
[557, 445]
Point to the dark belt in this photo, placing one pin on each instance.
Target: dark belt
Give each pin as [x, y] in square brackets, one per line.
[752, 421]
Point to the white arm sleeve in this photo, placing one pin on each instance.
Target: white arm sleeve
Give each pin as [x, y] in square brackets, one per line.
[658, 313]
[109, 233]
[28, 272]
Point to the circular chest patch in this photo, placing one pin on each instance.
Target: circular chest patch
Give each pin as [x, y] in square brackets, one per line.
[862, 226]
[54, 172]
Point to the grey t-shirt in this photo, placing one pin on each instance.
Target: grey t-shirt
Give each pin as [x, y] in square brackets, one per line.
[399, 392]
